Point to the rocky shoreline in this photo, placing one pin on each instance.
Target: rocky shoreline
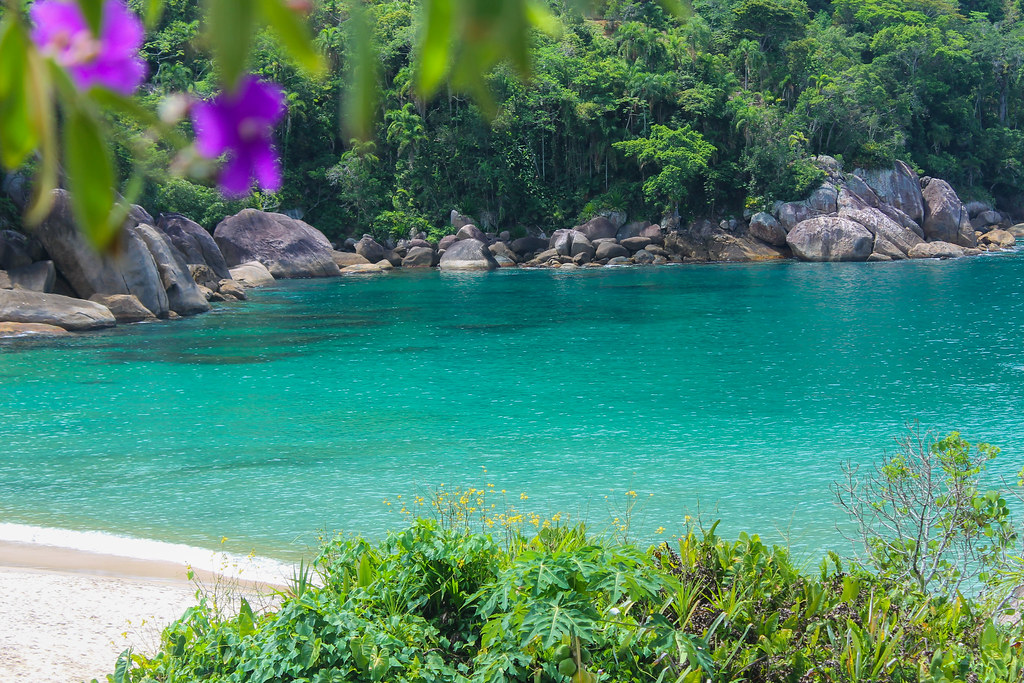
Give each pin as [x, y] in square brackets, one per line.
[54, 283]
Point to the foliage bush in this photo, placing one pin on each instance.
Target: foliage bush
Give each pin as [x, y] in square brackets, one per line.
[203, 204]
[470, 595]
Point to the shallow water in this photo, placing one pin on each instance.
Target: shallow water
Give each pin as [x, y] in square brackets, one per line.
[736, 388]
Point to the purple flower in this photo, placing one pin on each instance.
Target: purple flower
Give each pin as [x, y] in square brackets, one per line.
[241, 123]
[110, 60]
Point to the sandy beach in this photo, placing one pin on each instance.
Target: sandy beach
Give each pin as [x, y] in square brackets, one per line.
[66, 615]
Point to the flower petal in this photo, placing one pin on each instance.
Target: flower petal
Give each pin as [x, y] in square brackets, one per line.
[266, 166]
[213, 133]
[236, 178]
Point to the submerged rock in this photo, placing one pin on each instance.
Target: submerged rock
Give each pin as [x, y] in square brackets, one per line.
[22, 306]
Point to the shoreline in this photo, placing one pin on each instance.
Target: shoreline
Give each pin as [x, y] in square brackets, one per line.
[66, 614]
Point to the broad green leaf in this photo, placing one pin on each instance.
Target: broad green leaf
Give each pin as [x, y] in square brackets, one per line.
[122, 670]
[540, 16]
[128, 106]
[246, 624]
[293, 32]
[17, 135]
[93, 12]
[361, 100]
[39, 91]
[435, 48]
[90, 177]
[229, 29]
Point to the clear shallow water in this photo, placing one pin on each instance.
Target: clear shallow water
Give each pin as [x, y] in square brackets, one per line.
[741, 386]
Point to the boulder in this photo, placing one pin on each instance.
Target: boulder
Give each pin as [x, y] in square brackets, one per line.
[936, 250]
[125, 307]
[524, 246]
[194, 243]
[468, 255]
[22, 306]
[883, 247]
[543, 257]
[40, 276]
[738, 248]
[392, 258]
[1017, 230]
[881, 226]
[286, 246]
[15, 250]
[231, 290]
[854, 193]
[898, 186]
[945, 216]
[502, 249]
[458, 220]
[385, 265]
[368, 248]
[445, 242]
[687, 246]
[598, 227]
[5, 281]
[133, 271]
[634, 244]
[470, 232]
[204, 276]
[997, 238]
[8, 330]
[643, 258]
[875, 257]
[252, 274]
[985, 220]
[183, 295]
[420, 257]
[618, 261]
[363, 269]
[561, 241]
[830, 238]
[345, 258]
[764, 227]
[581, 246]
[504, 261]
[631, 230]
[582, 258]
[610, 250]
[653, 233]
[618, 218]
[976, 207]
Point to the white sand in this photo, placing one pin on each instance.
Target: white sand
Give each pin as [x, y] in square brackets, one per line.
[65, 616]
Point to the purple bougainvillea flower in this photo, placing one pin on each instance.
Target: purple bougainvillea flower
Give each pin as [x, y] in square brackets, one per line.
[241, 124]
[111, 60]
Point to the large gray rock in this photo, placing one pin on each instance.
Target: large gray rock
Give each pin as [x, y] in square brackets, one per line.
[458, 220]
[40, 276]
[881, 226]
[125, 307]
[524, 246]
[581, 245]
[945, 217]
[252, 274]
[75, 315]
[610, 250]
[367, 247]
[823, 201]
[445, 242]
[598, 227]
[5, 281]
[936, 250]
[740, 249]
[830, 238]
[631, 230]
[289, 248]
[468, 255]
[634, 244]
[420, 257]
[654, 233]
[764, 227]
[133, 271]
[898, 186]
[183, 295]
[884, 250]
[561, 241]
[502, 249]
[470, 232]
[1017, 230]
[194, 243]
[15, 250]
[348, 258]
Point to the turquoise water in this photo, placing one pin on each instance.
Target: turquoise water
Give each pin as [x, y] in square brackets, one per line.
[736, 388]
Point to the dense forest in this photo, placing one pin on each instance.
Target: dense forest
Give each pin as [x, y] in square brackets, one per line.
[629, 108]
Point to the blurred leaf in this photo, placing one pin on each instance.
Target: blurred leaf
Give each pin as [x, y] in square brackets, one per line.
[229, 29]
[17, 135]
[154, 11]
[39, 91]
[127, 106]
[93, 12]
[361, 100]
[541, 17]
[435, 47]
[90, 177]
[294, 34]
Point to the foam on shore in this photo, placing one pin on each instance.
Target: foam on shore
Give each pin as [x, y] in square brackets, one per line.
[249, 568]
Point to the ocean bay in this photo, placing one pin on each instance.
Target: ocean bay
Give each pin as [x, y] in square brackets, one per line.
[743, 387]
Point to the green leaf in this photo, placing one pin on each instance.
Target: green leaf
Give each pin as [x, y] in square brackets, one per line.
[90, 177]
[230, 26]
[17, 135]
[154, 11]
[435, 48]
[122, 670]
[851, 589]
[92, 10]
[246, 625]
[294, 34]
